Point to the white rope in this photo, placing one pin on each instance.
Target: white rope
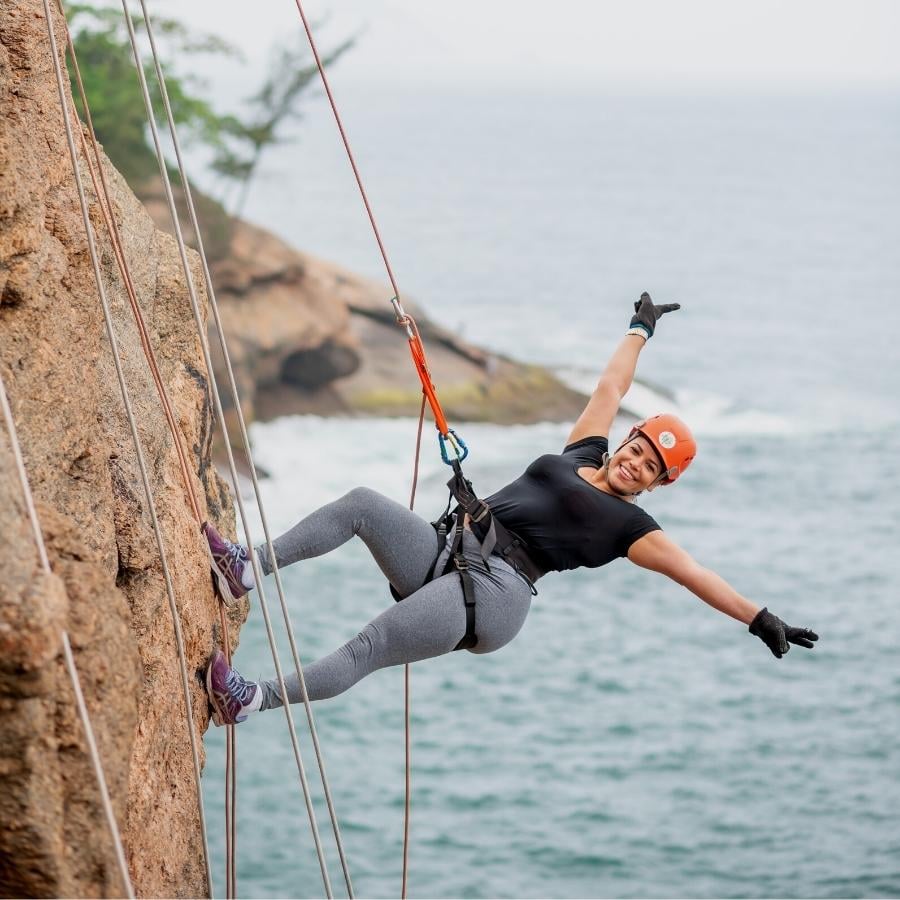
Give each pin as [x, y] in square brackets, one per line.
[23, 478]
[67, 649]
[214, 306]
[142, 465]
[202, 336]
[95, 759]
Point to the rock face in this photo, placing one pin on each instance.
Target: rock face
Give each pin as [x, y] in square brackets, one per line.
[107, 589]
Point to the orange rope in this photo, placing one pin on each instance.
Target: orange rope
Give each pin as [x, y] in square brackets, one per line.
[417, 349]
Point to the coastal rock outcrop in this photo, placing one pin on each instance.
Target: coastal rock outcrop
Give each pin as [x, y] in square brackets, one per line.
[309, 336]
[107, 588]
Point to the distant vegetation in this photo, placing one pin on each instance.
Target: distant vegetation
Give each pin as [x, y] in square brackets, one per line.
[237, 141]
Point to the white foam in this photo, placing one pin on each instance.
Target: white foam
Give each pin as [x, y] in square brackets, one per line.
[714, 415]
[707, 413]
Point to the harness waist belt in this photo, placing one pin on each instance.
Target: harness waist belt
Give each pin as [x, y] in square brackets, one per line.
[494, 539]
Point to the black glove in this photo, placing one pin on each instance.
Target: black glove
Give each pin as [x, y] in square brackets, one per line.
[776, 635]
[646, 314]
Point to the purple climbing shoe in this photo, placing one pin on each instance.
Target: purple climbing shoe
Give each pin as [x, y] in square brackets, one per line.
[233, 698]
[227, 561]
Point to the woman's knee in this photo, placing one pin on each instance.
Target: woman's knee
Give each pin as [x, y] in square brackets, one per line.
[361, 504]
[362, 497]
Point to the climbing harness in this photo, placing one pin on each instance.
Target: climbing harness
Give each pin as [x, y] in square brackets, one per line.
[493, 537]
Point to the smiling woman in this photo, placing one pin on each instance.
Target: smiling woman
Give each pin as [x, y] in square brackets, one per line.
[569, 510]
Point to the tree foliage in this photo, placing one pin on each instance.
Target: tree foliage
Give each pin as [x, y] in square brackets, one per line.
[275, 104]
[236, 142]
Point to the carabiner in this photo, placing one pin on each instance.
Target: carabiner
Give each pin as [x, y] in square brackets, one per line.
[458, 444]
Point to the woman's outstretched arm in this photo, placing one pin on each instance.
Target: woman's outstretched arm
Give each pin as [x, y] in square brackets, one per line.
[659, 553]
[604, 403]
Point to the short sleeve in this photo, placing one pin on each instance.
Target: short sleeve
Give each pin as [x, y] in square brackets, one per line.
[639, 524]
[588, 451]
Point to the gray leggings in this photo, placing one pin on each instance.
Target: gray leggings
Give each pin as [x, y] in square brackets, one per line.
[431, 619]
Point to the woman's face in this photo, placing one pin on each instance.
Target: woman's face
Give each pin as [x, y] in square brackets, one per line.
[633, 467]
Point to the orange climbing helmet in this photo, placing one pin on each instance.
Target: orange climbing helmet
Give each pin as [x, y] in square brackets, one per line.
[672, 440]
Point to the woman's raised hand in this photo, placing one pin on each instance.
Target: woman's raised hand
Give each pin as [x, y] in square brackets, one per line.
[646, 314]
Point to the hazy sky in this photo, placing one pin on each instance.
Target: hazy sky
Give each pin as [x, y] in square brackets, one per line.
[643, 43]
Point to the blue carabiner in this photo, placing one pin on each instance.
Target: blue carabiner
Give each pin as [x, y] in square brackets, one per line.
[457, 443]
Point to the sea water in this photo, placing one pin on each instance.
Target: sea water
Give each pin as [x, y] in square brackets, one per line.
[631, 741]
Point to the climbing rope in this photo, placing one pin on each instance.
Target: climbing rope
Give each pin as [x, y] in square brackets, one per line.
[445, 434]
[109, 219]
[217, 400]
[407, 706]
[252, 468]
[246, 444]
[93, 752]
[105, 204]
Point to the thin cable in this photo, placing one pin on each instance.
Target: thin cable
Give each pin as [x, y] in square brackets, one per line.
[67, 650]
[119, 252]
[200, 327]
[407, 702]
[95, 760]
[185, 181]
[116, 359]
[230, 779]
[23, 478]
[340, 126]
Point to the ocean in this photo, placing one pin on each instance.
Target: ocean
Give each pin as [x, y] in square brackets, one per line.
[630, 742]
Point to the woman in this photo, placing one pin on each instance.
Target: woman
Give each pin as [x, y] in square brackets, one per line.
[570, 510]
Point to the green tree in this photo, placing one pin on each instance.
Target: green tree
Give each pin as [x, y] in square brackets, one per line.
[275, 104]
[100, 38]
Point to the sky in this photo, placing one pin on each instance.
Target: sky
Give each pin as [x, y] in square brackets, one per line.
[642, 44]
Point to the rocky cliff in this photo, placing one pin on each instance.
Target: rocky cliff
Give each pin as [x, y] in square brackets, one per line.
[107, 589]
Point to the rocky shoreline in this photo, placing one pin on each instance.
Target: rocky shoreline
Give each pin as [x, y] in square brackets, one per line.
[308, 336]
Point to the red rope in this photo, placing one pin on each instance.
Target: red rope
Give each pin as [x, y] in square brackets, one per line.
[340, 126]
[407, 709]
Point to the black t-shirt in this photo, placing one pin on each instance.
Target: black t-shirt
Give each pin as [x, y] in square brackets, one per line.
[566, 522]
